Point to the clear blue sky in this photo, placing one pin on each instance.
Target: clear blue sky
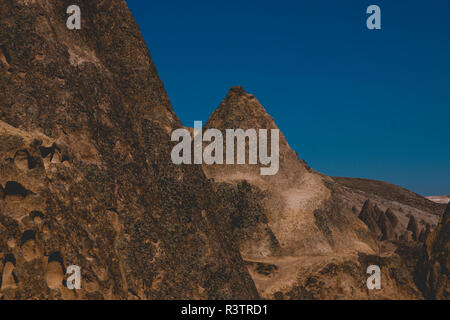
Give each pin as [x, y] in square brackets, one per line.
[351, 102]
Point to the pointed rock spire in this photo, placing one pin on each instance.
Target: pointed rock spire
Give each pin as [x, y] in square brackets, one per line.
[413, 227]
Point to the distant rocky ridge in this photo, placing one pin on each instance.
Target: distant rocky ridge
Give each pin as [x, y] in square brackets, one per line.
[440, 199]
[404, 199]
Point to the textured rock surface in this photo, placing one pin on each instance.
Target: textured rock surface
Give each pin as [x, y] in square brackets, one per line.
[433, 272]
[306, 241]
[345, 278]
[413, 227]
[370, 214]
[86, 178]
[300, 206]
[85, 169]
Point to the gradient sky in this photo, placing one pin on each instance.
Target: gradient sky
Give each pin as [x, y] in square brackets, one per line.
[351, 102]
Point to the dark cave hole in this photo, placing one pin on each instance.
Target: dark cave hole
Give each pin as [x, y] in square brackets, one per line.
[32, 163]
[5, 53]
[13, 188]
[9, 258]
[28, 235]
[46, 151]
[35, 214]
[15, 278]
[50, 151]
[56, 256]
[113, 210]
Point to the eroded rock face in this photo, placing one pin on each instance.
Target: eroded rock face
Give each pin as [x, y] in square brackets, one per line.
[297, 200]
[433, 270]
[86, 178]
[386, 227]
[304, 240]
[398, 204]
[370, 214]
[413, 227]
[85, 170]
[345, 278]
[393, 219]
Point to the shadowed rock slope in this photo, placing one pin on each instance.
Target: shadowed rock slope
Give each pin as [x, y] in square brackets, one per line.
[85, 170]
[434, 268]
[306, 240]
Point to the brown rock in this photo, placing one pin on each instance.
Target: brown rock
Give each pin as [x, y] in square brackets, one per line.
[303, 236]
[433, 271]
[370, 214]
[85, 130]
[386, 227]
[425, 233]
[392, 217]
[413, 227]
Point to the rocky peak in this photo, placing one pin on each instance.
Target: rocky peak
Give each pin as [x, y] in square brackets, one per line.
[236, 91]
[240, 110]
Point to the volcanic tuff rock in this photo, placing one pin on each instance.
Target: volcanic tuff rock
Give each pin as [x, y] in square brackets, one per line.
[85, 170]
[297, 200]
[384, 225]
[403, 203]
[370, 214]
[392, 218]
[433, 272]
[305, 241]
[86, 178]
[413, 227]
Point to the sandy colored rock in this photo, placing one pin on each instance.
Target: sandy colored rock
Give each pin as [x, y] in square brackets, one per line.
[8, 280]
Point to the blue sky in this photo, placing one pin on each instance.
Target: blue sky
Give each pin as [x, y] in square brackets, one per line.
[352, 102]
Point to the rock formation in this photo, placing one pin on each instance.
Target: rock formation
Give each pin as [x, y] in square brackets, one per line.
[433, 272]
[384, 225]
[85, 171]
[425, 233]
[413, 227]
[392, 218]
[370, 214]
[308, 242]
[86, 179]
